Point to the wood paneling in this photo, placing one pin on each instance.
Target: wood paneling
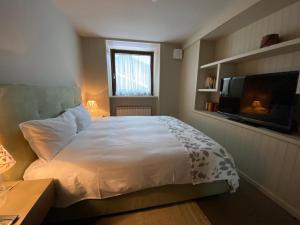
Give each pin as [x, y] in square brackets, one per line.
[274, 164]
[286, 22]
[271, 163]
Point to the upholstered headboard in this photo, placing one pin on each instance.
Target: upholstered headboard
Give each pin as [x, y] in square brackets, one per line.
[19, 103]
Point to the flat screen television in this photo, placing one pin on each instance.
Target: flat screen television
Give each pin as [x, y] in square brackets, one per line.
[267, 100]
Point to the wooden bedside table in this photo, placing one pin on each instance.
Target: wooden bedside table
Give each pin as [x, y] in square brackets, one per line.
[30, 200]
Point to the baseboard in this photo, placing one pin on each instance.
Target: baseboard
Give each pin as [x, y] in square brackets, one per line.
[290, 209]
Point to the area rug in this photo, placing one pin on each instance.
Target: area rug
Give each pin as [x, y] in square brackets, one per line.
[187, 213]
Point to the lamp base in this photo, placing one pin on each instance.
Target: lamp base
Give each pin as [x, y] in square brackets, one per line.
[8, 219]
[4, 188]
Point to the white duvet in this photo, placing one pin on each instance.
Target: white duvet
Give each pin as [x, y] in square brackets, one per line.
[118, 155]
[113, 156]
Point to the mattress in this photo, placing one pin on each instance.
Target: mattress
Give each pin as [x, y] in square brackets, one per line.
[120, 155]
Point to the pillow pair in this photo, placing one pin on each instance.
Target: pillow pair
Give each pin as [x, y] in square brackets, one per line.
[82, 117]
[48, 137]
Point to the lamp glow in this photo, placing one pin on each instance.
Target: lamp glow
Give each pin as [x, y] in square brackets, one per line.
[93, 108]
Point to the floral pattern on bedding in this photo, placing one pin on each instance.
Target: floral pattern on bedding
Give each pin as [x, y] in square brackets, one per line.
[209, 161]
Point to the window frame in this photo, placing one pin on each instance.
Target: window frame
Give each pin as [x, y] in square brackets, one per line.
[113, 66]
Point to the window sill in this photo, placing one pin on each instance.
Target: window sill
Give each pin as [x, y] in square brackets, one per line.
[133, 96]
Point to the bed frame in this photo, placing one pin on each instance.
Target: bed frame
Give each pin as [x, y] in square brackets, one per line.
[137, 200]
[19, 103]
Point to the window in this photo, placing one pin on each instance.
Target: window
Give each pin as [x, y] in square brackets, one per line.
[132, 73]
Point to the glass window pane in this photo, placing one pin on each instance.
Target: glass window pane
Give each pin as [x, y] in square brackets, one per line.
[133, 74]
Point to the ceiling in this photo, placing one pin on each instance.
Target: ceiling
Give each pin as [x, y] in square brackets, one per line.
[148, 20]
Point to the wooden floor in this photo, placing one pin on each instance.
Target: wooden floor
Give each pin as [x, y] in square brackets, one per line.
[187, 213]
[247, 206]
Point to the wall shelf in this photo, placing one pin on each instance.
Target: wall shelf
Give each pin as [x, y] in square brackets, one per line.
[277, 49]
[133, 96]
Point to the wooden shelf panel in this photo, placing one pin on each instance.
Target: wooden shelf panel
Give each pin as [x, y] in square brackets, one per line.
[277, 49]
[291, 138]
[207, 90]
[210, 65]
[133, 96]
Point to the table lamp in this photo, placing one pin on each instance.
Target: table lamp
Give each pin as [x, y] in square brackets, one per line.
[6, 162]
[93, 108]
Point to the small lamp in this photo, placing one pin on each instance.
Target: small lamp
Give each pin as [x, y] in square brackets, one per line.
[93, 108]
[6, 162]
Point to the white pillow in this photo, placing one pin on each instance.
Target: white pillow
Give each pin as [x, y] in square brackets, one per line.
[48, 137]
[83, 118]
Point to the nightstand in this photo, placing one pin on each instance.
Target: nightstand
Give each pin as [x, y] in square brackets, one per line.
[30, 200]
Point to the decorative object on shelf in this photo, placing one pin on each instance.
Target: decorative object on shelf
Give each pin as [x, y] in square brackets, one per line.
[210, 82]
[270, 39]
[93, 108]
[211, 106]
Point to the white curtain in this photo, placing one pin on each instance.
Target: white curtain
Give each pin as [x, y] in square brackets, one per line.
[133, 74]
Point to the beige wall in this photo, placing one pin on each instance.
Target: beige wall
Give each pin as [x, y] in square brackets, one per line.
[94, 84]
[188, 81]
[37, 44]
[169, 80]
[94, 70]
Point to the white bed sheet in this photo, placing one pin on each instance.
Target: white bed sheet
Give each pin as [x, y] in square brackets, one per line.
[113, 156]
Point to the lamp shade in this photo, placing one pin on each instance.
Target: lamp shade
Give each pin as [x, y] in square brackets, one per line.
[6, 160]
[92, 104]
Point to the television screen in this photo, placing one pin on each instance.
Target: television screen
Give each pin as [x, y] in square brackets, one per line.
[267, 99]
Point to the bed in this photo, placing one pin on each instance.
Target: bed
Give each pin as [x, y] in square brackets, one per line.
[118, 163]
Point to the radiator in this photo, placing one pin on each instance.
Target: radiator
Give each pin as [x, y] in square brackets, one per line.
[134, 111]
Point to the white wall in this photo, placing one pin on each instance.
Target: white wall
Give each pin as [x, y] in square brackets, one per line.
[37, 44]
